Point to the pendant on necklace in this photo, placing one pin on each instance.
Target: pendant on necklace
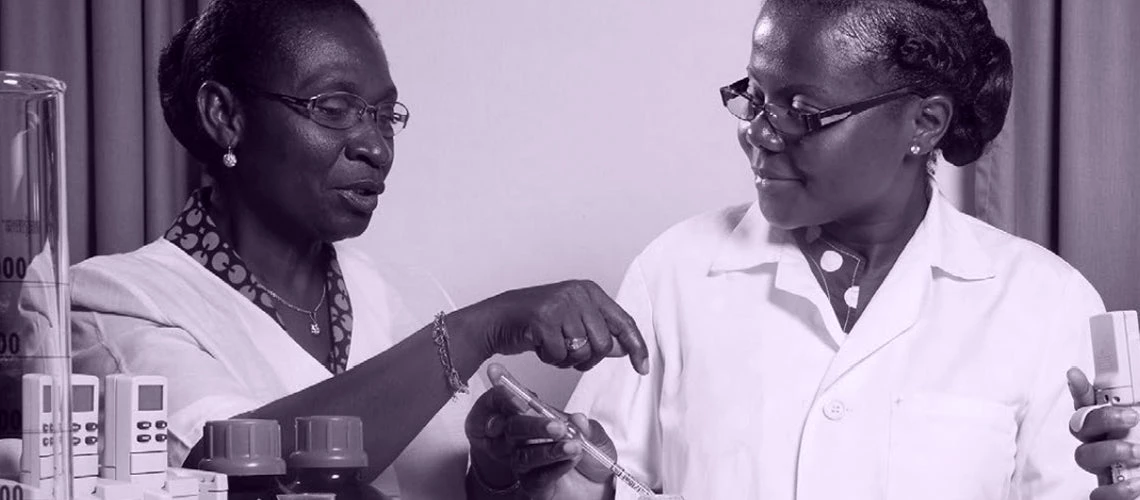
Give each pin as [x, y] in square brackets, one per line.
[314, 328]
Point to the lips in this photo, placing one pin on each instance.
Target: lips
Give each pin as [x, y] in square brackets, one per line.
[365, 187]
[768, 175]
[361, 196]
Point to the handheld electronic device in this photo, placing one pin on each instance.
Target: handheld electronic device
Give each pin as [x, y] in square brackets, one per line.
[84, 433]
[134, 449]
[1116, 357]
[37, 467]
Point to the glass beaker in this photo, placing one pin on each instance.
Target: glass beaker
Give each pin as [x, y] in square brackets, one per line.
[35, 344]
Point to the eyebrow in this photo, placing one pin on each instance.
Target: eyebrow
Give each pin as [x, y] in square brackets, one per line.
[796, 87]
[329, 77]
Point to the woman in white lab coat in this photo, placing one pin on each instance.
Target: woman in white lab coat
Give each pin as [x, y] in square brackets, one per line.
[851, 334]
[251, 306]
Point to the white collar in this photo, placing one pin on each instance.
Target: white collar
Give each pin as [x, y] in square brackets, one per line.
[951, 245]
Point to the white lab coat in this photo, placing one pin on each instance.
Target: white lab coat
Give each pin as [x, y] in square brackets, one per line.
[157, 311]
[951, 386]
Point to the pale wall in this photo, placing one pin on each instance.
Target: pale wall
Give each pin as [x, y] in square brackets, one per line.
[554, 139]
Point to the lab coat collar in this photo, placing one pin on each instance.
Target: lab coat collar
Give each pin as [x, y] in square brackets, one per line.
[953, 247]
[753, 242]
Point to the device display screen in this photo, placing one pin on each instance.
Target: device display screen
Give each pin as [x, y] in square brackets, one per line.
[47, 399]
[150, 397]
[83, 398]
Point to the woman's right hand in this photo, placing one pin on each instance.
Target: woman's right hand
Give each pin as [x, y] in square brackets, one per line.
[1100, 429]
[510, 444]
[572, 323]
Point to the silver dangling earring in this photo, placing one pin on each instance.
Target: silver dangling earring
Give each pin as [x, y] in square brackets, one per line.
[229, 159]
[914, 149]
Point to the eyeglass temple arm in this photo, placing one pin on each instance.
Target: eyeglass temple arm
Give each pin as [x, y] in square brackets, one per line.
[816, 121]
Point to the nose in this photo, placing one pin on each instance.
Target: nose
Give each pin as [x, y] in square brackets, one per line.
[371, 147]
[759, 133]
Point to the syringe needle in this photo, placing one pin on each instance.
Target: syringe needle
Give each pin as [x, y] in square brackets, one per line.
[501, 377]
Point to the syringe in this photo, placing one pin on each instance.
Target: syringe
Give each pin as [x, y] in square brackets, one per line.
[499, 376]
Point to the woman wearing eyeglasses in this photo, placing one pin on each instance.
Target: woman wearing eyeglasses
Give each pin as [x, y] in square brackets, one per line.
[251, 307]
[851, 334]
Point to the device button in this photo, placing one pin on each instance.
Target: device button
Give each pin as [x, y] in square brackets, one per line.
[47, 441]
[75, 441]
[47, 428]
[75, 427]
[834, 410]
[161, 424]
[144, 438]
[92, 426]
[160, 437]
[144, 425]
[91, 440]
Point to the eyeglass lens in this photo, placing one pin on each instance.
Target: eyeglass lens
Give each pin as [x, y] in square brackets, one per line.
[342, 110]
[781, 118]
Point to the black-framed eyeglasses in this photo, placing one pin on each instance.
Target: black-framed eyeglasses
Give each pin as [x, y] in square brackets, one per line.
[343, 110]
[792, 123]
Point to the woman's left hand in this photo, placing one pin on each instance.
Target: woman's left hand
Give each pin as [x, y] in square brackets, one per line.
[1100, 429]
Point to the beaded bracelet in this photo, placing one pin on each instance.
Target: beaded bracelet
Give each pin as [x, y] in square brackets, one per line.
[441, 341]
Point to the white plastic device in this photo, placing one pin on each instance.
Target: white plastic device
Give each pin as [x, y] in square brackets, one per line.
[211, 485]
[110, 489]
[1116, 358]
[84, 433]
[134, 448]
[37, 468]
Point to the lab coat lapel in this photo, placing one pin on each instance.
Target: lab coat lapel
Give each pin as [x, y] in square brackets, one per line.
[893, 310]
[794, 276]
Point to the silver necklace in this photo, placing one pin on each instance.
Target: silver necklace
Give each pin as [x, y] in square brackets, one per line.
[314, 327]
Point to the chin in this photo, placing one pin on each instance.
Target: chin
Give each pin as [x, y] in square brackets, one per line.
[346, 228]
[781, 216]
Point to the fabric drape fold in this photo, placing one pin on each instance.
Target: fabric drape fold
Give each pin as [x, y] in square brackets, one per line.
[1061, 173]
[127, 175]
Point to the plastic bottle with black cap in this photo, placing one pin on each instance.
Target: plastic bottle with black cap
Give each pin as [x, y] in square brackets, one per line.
[248, 452]
[330, 458]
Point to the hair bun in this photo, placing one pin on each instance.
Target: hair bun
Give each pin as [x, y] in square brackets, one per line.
[979, 119]
[172, 82]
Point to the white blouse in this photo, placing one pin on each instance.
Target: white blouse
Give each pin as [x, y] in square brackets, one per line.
[157, 311]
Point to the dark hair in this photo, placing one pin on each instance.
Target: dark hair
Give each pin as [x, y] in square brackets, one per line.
[230, 42]
[939, 46]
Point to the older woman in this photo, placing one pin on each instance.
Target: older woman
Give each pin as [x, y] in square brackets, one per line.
[249, 305]
[852, 334]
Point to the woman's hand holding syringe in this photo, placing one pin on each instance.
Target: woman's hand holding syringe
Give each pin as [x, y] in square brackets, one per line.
[512, 430]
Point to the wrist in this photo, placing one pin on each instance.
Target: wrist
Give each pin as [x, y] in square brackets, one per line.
[492, 475]
[469, 333]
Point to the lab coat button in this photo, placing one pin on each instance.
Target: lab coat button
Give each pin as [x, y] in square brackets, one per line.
[834, 410]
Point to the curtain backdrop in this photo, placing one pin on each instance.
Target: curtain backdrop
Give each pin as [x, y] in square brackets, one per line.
[1059, 173]
[1064, 170]
[127, 176]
